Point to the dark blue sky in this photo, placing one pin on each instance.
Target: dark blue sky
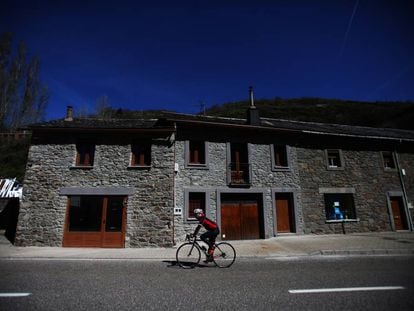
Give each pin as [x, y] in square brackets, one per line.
[176, 54]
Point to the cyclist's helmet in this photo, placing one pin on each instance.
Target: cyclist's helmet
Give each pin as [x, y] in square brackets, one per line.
[198, 212]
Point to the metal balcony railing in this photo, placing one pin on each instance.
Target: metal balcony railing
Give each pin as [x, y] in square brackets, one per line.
[239, 174]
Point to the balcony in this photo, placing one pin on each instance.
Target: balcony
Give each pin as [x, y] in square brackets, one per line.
[239, 175]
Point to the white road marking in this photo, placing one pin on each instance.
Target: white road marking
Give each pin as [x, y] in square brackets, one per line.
[3, 295]
[344, 289]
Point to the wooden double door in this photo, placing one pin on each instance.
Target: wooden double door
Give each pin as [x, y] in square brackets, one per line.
[95, 221]
[241, 217]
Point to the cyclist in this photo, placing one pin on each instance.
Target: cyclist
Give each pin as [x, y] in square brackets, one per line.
[209, 237]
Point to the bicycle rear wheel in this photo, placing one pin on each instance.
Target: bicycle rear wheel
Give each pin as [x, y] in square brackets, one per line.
[224, 255]
[188, 255]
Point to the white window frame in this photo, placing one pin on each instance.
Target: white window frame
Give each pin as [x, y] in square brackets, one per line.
[340, 157]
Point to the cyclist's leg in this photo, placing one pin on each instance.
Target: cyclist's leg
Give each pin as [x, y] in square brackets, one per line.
[208, 238]
[214, 235]
[211, 236]
[205, 237]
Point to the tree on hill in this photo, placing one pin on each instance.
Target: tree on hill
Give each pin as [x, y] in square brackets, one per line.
[23, 98]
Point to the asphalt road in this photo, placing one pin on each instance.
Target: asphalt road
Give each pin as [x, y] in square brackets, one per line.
[350, 283]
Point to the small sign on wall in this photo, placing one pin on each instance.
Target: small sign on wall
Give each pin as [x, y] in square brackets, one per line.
[178, 211]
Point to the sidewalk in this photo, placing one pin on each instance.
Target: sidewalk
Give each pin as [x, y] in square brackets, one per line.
[388, 243]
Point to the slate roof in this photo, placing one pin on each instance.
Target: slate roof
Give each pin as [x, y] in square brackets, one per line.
[304, 127]
[340, 129]
[91, 123]
[166, 122]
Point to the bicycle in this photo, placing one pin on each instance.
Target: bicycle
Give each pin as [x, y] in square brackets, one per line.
[189, 254]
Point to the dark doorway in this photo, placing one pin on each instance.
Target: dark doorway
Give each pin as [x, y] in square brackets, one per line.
[9, 214]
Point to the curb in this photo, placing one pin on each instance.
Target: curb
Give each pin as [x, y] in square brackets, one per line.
[364, 252]
[322, 253]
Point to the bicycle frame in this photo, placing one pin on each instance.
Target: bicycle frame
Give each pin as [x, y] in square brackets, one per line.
[189, 253]
[196, 243]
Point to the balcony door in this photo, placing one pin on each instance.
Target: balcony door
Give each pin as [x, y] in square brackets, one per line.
[239, 165]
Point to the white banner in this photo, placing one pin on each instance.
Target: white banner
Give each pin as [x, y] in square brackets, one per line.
[10, 188]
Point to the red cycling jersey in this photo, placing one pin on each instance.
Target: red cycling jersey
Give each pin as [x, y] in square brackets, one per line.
[207, 223]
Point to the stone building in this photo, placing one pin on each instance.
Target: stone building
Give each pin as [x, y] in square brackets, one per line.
[98, 183]
[135, 183]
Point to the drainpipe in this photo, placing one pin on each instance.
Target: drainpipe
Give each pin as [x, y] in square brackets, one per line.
[173, 183]
[401, 176]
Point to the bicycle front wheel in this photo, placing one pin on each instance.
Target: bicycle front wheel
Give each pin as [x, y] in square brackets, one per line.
[188, 255]
[224, 255]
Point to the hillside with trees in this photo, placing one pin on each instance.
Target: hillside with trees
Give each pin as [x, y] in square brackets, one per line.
[372, 114]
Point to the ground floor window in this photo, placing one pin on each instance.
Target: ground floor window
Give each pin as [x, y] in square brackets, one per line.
[85, 213]
[339, 206]
[196, 200]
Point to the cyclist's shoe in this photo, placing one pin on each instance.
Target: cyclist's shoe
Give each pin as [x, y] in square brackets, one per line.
[203, 248]
[209, 258]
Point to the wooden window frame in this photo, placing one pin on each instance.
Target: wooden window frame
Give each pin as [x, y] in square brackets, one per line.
[140, 155]
[188, 193]
[87, 159]
[99, 234]
[239, 168]
[196, 158]
[277, 165]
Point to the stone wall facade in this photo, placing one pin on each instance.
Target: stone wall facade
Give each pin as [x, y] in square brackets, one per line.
[157, 205]
[308, 178]
[363, 174]
[213, 180]
[50, 168]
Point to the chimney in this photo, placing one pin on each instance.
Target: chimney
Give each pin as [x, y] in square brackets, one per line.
[253, 117]
[69, 113]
